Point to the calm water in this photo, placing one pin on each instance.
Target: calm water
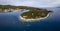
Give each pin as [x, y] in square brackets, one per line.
[10, 22]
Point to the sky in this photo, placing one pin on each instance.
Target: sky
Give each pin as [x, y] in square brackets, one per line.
[33, 3]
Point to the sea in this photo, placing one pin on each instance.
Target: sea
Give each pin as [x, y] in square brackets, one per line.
[10, 21]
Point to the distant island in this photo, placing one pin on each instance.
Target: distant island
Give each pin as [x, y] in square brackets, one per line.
[35, 14]
[11, 8]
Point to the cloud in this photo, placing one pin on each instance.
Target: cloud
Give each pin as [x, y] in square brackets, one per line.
[33, 3]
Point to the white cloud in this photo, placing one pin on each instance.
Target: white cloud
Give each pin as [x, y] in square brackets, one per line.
[33, 3]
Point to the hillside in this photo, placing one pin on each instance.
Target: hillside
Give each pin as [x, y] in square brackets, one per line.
[8, 7]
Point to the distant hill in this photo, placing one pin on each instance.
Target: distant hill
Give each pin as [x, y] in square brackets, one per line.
[15, 7]
[3, 7]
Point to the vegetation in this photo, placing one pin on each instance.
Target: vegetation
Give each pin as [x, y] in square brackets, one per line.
[33, 14]
[3, 7]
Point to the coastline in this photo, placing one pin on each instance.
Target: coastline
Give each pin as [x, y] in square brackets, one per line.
[29, 20]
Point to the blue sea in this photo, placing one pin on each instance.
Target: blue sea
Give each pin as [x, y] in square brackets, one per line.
[10, 21]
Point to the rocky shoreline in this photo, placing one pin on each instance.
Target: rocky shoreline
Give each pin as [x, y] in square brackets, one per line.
[29, 20]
